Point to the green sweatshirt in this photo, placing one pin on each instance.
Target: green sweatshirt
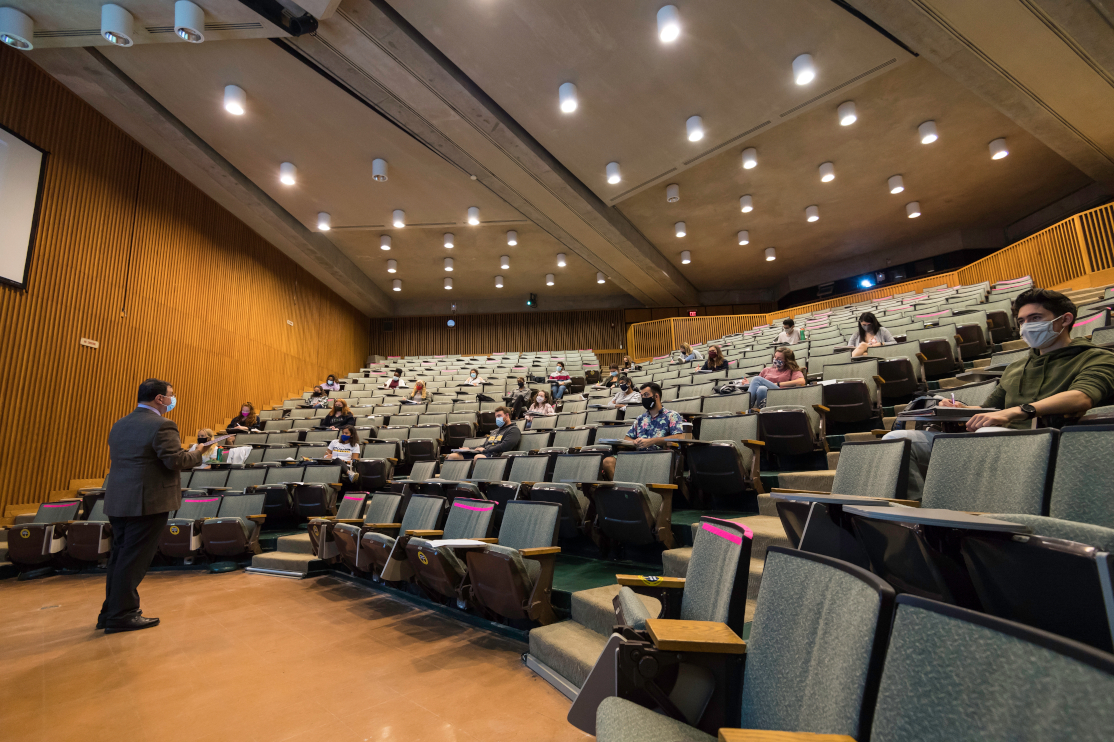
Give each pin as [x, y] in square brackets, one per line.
[1080, 366]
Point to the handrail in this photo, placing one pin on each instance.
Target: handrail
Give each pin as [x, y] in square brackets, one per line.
[1077, 246]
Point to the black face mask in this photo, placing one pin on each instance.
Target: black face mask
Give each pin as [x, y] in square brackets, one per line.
[648, 402]
[202, 439]
[624, 387]
[521, 384]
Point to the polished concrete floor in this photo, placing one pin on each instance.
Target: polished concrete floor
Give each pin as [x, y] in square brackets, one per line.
[251, 657]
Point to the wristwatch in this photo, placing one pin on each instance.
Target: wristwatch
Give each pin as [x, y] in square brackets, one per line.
[1029, 410]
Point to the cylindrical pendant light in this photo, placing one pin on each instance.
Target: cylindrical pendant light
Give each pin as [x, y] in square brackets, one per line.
[846, 112]
[744, 237]
[379, 170]
[750, 158]
[116, 25]
[896, 184]
[384, 242]
[473, 215]
[686, 257]
[679, 228]
[235, 100]
[694, 128]
[827, 172]
[448, 283]
[600, 278]
[398, 218]
[771, 254]
[397, 284]
[548, 279]
[450, 240]
[812, 213]
[927, 130]
[998, 149]
[512, 238]
[17, 30]
[189, 22]
[392, 266]
[803, 71]
[505, 262]
[673, 193]
[560, 260]
[448, 264]
[746, 204]
[498, 282]
[613, 175]
[324, 222]
[669, 23]
[288, 174]
[913, 209]
[566, 95]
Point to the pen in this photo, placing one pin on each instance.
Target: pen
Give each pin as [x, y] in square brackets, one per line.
[953, 397]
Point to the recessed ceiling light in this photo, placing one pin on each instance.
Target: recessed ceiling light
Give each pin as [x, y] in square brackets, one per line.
[746, 204]
[504, 261]
[498, 282]
[812, 213]
[750, 158]
[679, 228]
[600, 278]
[846, 113]
[116, 25]
[827, 172]
[449, 239]
[384, 242]
[771, 254]
[566, 94]
[686, 257]
[473, 215]
[613, 176]
[669, 24]
[744, 237]
[378, 170]
[913, 209]
[235, 100]
[672, 193]
[694, 128]
[803, 71]
[288, 174]
[324, 222]
[392, 266]
[548, 279]
[397, 284]
[896, 184]
[449, 264]
[998, 149]
[448, 283]
[189, 22]
[560, 260]
[512, 238]
[17, 30]
[398, 218]
[927, 130]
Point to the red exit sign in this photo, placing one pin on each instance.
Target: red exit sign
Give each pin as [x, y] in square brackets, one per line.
[692, 314]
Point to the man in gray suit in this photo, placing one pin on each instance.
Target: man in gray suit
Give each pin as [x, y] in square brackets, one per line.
[142, 487]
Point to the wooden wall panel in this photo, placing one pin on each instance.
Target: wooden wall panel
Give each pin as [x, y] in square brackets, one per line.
[170, 284]
[474, 334]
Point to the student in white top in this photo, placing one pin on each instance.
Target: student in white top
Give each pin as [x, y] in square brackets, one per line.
[346, 446]
[788, 336]
[625, 394]
[210, 453]
[396, 381]
[474, 378]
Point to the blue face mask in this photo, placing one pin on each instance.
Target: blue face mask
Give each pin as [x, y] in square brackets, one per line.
[345, 438]
[500, 422]
[173, 401]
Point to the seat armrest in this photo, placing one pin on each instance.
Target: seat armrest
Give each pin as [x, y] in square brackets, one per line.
[761, 735]
[650, 581]
[348, 521]
[674, 635]
[424, 534]
[539, 551]
[487, 540]
[879, 379]
[754, 444]
[922, 357]
[797, 491]
[821, 408]
[879, 432]
[257, 518]
[662, 486]
[382, 525]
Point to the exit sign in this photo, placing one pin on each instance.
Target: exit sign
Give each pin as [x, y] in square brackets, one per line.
[692, 314]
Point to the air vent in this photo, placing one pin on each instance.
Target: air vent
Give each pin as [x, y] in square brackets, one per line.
[508, 221]
[733, 139]
[253, 26]
[388, 325]
[72, 33]
[645, 183]
[842, 85]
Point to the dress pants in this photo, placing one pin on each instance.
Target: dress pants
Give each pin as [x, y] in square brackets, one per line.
[135, 539]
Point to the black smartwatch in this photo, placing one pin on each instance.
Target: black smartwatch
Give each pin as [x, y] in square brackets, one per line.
[1029, 410]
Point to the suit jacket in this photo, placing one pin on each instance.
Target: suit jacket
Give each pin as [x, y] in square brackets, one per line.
[147, 455]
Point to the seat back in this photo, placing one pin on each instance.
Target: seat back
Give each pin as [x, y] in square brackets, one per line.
[645, 467]
[423, 470]
[469, 518]
[203, 478]
[734, 428]
[96, 515]
[532, 440]
[490, 469]
[716, 581]
[280, 474]
[247, 439]
[422, 513]
[577, 467]
[529, 524]
[864, 371]
[1084, 458]
[57, 512]
[873, 469]
[352, 506]
[382, 508]
[328, 474]
[241, 479]
[726, 403]
[816, 646]
[951, 674]
[571, 438]
[196, 508]
[528, 469]
[321, 436]
[802, 396]
[1009, 472]
[452, 470]
[973, 395]
[241, 506]
[1087, 325]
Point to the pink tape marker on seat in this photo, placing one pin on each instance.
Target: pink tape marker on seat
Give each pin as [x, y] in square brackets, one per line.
[732, 537]
[211, 499]
[57, 505]
[458, 504]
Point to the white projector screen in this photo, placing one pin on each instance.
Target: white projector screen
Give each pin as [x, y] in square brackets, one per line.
[21, 173]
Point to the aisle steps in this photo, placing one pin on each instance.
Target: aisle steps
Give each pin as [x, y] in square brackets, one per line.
[293, 558]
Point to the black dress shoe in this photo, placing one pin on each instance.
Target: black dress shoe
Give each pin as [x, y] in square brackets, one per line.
[100, 622]
[134, 623]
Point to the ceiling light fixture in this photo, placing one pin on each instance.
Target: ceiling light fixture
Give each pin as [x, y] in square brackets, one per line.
[498, 282]
[694, 128]
[669, 24]
[384, 242]
[512, 238]
[846, 113]
[746, 204]
[913, 209]
[397, 284]
[998, 149]
[672, 193]
[613, 176]
[548, 279]
[379, 170]
[827, 172]
[803, 71]
[392, 266]
[449, 265]
[235, 100]
[398, 218]
[686, 257]
[750, 158]
[896, 184]
[448, 283]
[744, 237]
[927, 130]
[600, 278]
[771, 254]
[449, 239]
[505, 262]
[560, 260]
[288, 174]
[116, 25]
[473, 215]
[189, 22]
[324, 222]
[812, 213]
[679, 228]
[17, 30]
[566, 94]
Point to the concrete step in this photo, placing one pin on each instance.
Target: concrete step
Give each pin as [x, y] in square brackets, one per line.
[568, 648]
[284, 561]
[833, 460]
[296, 544]
[812, 481]
[766, 505]
[594, 609]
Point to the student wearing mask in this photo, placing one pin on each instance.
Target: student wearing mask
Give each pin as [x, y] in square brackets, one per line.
[627, 365]
[789, 335]
[418, 391]
[559, 381]
[688, 354]
[505, 437]
[211, 452]
[1058, 381]
[716, 361]
[541, 405]
[652, 428]
[519, 398]
[783, 374]
[339, 416]
[331, 384]
[246, 422]
[625, 394]
[611, 380]
[871, 334]
[396, 381]
[346, 446]
[318, 398]
[474, 378]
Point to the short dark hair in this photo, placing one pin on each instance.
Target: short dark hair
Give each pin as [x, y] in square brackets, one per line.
[152, 388]
[504, 410]
[1053, 301]
[787, 322]
[614, 366]
[654, 387]
[398, 371]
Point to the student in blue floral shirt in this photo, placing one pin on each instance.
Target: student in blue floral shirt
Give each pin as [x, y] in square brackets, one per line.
[652, 428]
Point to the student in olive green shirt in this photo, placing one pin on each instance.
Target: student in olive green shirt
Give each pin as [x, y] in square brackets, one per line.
[1058, 381]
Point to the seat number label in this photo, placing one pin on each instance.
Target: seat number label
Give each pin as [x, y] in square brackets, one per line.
[174, 530]
[422, 559]
[25, 533]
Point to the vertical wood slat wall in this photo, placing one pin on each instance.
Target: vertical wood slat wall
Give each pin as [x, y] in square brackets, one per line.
[170, 284]
[482, 334]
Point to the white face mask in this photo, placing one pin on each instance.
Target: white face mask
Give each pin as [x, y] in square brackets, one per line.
[1039, 335]
[541, 398]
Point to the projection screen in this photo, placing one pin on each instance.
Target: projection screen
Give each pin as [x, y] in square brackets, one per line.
[21, 177]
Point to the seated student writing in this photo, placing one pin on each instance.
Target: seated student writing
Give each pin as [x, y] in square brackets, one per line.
[611, 380]
[505, 437]
[246, 422]
[783, 374]
[474, 378]
[339, 416]
[626, 365]
[346, 447]
[559, 381]
[1058, 381]
[687, 354]
[871, 334]
[788, 336]
[318, 398]
[331, 384]
[716, 361]
[418, 392]
[395, 381]
[542, 405]
[625, 394]
[652, 428]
